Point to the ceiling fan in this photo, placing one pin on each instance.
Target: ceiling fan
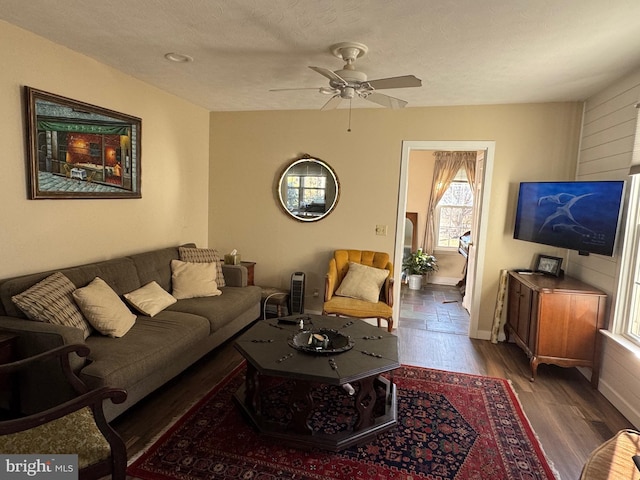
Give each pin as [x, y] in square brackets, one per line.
[347, 83]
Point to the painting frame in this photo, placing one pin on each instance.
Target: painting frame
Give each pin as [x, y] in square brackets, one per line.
[76, 150]
[549, 265]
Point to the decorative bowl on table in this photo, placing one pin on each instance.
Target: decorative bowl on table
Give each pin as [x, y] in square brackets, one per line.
[323, 340]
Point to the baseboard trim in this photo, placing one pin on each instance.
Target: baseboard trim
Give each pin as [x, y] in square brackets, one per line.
[482, 335]
[450, 281]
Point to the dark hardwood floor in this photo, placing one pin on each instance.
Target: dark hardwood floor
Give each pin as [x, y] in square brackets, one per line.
[569, 417]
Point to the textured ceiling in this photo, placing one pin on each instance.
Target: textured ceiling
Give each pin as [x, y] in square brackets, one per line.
[467, 52]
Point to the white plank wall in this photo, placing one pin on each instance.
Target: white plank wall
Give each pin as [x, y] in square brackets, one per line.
[605, 154]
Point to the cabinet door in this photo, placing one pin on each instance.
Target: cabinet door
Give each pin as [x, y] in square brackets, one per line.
[570, 326]
[513, 304]
[524, 313]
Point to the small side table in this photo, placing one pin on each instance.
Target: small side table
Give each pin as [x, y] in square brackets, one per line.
[277, 297]
[250, 266]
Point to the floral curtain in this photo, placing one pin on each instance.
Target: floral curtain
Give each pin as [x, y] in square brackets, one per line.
[446, 167]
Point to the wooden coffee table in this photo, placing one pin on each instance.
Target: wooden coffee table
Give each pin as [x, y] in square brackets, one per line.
[269, 351]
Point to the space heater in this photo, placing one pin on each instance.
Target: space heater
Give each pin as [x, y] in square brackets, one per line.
[296, 297]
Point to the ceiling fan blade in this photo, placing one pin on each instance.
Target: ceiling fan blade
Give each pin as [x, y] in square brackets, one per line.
[329, 74]
[291, 89]
[332, 103]
[395, 82]
[385, 100]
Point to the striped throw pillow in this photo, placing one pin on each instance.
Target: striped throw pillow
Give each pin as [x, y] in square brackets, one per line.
[51, 301]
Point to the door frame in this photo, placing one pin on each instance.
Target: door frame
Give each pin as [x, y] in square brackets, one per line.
[478, 238]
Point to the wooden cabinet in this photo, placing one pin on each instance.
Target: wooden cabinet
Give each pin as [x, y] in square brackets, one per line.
[556, 321]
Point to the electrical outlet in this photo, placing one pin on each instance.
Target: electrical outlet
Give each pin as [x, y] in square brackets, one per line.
[381, 230]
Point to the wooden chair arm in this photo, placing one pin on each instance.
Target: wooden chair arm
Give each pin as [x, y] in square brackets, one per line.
[331, 280]
[388, 291]
[62, 353]
[93, 399]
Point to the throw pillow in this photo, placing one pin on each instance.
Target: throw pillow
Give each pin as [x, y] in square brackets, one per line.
[362, 282]
[104, 309]
[204, 255]
[51, 301]
[191, 280]
[150, 299]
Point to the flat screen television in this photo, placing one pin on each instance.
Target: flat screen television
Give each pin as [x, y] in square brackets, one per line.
[581, 216]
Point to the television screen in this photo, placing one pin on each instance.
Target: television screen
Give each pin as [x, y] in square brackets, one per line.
[579, 216]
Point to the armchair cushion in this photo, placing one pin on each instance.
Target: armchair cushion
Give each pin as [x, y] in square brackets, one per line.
[352, 307]
[76, 432]
[362, 282]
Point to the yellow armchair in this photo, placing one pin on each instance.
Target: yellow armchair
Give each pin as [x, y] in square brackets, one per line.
[342, 306]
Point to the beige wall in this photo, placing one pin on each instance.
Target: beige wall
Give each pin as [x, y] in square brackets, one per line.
[421, 164]
[46, 234]
[249, 150]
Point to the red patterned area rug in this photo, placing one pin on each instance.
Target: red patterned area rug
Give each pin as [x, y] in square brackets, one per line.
[450, 426]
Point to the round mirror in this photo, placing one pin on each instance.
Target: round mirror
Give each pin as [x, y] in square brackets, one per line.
[308, 189]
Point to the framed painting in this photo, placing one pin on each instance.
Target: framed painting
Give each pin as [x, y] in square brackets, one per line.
[549, 265]
[78, 150]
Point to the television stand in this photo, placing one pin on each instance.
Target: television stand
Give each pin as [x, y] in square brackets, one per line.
[556, 320]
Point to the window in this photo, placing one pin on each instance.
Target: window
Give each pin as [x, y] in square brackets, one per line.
[303, 191]
[627, 310]
[454, 212]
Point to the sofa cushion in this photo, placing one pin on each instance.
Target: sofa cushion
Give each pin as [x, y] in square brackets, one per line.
[51, 301]
[150, 346]
[156, 265]
[362, 282]
[119, 273]
[104, 309]
[150, 299]
[223, 309]
[204, 255]
[193, 280]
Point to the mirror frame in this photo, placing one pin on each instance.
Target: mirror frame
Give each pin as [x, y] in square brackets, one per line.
[331, 175]
[103, 161]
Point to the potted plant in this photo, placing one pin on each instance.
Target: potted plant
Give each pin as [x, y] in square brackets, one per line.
[418, 264]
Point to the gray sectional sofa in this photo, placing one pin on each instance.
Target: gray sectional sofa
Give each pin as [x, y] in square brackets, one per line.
[153, 351]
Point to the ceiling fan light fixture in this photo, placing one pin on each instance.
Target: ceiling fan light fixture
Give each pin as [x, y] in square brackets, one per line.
[348, 93]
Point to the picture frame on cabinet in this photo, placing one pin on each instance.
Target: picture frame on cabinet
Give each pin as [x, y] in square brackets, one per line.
[549, 265]
[78, 151]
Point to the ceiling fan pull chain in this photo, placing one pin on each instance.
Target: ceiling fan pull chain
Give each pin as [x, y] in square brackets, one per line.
[349, 129]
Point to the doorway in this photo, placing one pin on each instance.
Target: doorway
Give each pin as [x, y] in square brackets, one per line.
[481, 202]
